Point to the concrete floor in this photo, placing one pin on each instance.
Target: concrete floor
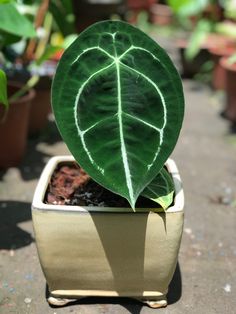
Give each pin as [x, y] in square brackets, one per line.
[204, 280]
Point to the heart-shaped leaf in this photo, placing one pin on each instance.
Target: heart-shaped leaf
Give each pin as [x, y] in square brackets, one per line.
[118, 103]
[161, 189]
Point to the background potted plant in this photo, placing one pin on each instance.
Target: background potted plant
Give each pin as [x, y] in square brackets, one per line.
[54, 21]
[120, 117]
[15, 111]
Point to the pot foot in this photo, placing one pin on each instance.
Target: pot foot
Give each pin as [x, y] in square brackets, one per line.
[155, 304]
[59, 301]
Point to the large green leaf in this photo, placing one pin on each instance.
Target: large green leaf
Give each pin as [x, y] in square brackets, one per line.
[118, 103]
[161, 189]
[13, 22]
[3, 89]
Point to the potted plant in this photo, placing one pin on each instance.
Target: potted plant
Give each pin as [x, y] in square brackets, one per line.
[55, 22]
[223, 46]
[14, 111]
[202, 22]
[118, 103]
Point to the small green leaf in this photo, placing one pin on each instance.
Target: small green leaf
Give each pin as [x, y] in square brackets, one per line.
[15, 23]
[3, 89]
[161, 189]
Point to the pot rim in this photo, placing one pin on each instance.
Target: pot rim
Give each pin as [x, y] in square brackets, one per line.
[30, 94]
[38, 199]
[224, 63]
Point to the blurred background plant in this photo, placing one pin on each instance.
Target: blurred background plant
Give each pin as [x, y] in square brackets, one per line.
[32, 32]
[33, 35]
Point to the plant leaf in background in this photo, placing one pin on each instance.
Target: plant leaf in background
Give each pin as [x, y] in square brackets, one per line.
[5, 1]
[226, 28]
[199, 35]
[62, 11]
[3, 89]
[188, 7]
[11, 21]
[50, 50]
[118, 103]
[161, 189]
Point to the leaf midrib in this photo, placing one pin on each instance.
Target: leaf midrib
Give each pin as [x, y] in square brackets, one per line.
[122, 140]
[117, 62]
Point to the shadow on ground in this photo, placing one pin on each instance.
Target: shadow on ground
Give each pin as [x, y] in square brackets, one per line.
[133, 306]
[12, 236]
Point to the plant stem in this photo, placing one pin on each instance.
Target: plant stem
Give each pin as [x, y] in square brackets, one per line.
[31, 83]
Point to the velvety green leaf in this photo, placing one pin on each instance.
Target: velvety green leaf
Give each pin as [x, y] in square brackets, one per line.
[161, 189]
[3, 89]
[13, 22]
[118, 103]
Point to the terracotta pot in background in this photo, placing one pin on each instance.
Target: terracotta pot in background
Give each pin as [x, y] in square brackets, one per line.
[192, 67]
[212, 41]
[137, 6]
[161, 14]
[14, 130]
[218, 75]
[230, 89]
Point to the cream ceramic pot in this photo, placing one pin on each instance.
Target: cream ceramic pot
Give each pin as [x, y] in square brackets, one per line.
[94, 251]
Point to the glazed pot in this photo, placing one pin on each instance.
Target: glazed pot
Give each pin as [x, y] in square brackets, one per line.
[103, 251]
[230, 88]
[14, 128]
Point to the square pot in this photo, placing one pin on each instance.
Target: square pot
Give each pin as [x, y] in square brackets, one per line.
[103, 251]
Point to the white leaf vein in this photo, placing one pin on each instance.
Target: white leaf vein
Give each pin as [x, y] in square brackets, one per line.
[117, 61]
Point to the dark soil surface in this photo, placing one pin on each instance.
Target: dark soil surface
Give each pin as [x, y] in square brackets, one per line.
[71, 185]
